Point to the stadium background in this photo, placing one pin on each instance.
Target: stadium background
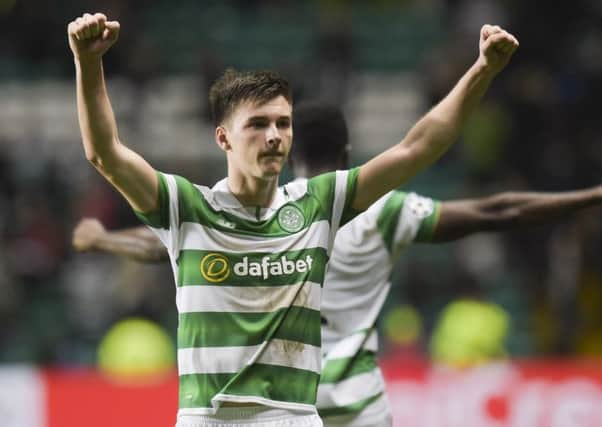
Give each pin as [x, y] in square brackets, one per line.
[385, 62]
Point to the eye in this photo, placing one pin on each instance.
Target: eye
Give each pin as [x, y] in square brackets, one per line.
[283, 123]
[258, 124]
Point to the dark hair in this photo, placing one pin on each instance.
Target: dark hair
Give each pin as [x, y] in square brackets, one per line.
[235, 87]
[321, 139]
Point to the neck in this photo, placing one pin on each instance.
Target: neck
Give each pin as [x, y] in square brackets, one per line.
[253, 191]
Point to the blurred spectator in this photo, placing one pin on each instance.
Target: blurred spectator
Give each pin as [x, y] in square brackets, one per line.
[470, 332]
[136, 350]
[404, 332]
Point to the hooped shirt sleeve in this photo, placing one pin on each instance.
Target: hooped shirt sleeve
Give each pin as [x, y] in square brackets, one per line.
[165, 220]
[405, 218]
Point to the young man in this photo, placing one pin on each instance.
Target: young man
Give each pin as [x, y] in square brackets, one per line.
[351, 390]
[248, 257]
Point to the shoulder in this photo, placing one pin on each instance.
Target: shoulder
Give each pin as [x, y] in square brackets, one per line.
[184, 189]
[333, 182]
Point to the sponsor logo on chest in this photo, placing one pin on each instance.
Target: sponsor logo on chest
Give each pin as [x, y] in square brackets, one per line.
[216, 268]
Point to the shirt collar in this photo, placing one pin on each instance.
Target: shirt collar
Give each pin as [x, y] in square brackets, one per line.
[223, 197]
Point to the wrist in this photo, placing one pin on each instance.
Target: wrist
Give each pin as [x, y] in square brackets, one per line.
[483, 72]
[87, 60]
[483, 67]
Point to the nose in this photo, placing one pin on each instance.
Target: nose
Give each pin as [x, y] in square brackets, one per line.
[273, 137]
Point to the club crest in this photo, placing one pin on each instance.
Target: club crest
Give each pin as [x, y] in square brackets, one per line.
[291, 218]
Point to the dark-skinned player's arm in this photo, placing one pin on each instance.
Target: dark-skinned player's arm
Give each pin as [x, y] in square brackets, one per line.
[137, 243]
[90, 37]
[435, 132]
[504, 211]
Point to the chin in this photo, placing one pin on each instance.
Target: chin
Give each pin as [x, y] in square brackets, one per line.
[271, 173]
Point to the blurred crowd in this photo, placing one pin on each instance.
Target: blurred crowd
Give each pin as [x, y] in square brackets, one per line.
[537, 129]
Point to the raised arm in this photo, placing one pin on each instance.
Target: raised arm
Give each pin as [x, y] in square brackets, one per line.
[90, 37]
[434, 133]
[509, 210]
[137, 243]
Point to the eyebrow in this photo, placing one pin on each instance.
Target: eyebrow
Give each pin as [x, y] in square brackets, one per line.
[265, 117]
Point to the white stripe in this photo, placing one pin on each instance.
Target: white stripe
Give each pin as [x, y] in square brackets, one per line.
[338, 204]
[259, 414]
[170, 237]
[351, 345]
[376, 414]
[248, 299]
[351, 390]
[220, 199]
[292, 354]
[174, 215]
[197, 236]
[408, 225]
[213, 360]
[215, 400]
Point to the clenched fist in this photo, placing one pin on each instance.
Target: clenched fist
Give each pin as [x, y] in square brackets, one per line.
[86, 234]
[496, 47]
[90, 36]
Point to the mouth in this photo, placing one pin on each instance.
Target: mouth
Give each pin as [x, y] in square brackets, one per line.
[274, 155]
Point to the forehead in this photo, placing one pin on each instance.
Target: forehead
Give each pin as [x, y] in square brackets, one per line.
[275, 107]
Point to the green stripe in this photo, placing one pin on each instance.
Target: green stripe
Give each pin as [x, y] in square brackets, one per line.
[160, 217]
[353, 408]
[388, 218]
[348, 212]
[198, 267]
[194, 208]
[321, 188]
[268, 381]
[217, 329]
[428, 225]
[336, 370]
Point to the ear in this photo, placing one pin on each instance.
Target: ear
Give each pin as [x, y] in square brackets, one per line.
[221, 138]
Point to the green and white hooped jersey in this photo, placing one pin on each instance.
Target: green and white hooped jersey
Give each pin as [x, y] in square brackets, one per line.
[356, 286]
[248, 288]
